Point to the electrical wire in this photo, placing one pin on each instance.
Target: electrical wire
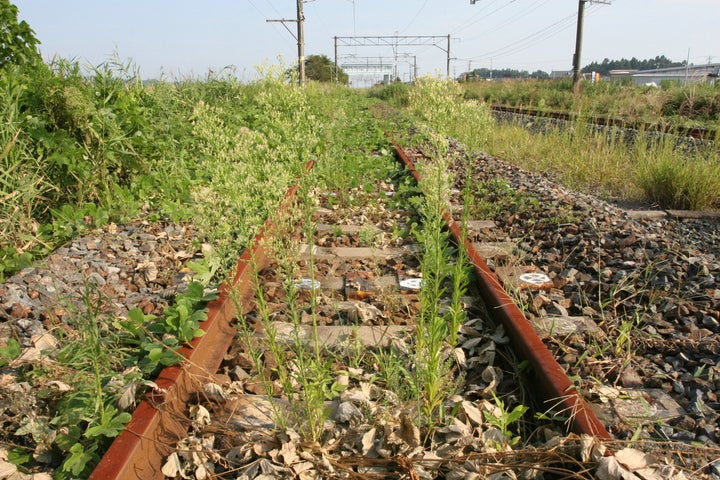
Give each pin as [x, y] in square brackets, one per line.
[273, 7]
[529, 40]
[533, 39]
[422, 7]
[281, 33]
[527, 11]
[252, 4]
[472, 20]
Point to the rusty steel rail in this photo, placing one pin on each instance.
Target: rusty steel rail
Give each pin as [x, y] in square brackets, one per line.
[556, 389]
[160, 421]
[700, 133]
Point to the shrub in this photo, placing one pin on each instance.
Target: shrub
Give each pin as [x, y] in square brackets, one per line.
[441, 104]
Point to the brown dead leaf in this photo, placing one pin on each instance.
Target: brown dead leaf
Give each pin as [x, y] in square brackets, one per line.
[472, 413]
[492, 376]
[148, 269]
[44, 342]
[127, 396]
[288, 453]
[634, 459]
[59, 386]
[304, 469]
[368, 441]
[347, 412]
[200, 415]
[173, 467]
[29, 355]
[408, 432]
[7, 469]
[611, 469]
[367, 313]
[215, 392]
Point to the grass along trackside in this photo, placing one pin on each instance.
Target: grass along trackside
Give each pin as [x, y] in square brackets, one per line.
[84, 148]
[652, 171]
[79, 149]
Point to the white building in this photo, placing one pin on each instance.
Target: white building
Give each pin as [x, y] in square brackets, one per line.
[684, 75]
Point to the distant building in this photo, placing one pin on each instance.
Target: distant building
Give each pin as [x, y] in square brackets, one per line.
[620, 74]
[683, 75]
[559, 74]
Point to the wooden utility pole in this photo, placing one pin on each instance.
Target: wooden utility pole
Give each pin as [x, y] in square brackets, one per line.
[299, 37]
[577, 74]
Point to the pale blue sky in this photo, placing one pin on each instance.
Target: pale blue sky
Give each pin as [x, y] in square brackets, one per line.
[182, 37]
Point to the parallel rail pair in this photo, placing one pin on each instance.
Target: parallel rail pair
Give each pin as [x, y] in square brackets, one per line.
[160, 419]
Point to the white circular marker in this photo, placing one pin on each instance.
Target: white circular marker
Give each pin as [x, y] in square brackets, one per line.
[411, 283]
[307, 284]
[534, 278]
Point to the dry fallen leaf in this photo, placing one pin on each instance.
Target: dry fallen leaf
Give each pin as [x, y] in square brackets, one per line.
[173, 466]
[29, 355]
[492, 376]
[368, 441]
[59, 386]
[367, 313]
[44, 342]
[459, 354]
[409, 432]
[215, 392]
[200, 415]
[472, 413]
[149, 270]
[127, 396]
[7, 469]
[610, 469]
[347, 412]
[288, 453]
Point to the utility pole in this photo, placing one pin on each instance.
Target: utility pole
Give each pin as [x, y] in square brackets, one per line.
[448, 56]
[337, 78]
[301, 40]
[299, 37]
[578, 41]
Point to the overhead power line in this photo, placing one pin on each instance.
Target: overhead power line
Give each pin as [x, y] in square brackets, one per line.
[415, 17]
[530, 40]
[300, 37]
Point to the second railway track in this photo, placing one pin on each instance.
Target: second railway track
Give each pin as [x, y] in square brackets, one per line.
[702, 134]
[340, 368]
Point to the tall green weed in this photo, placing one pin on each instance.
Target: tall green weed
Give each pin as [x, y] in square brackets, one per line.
[674, 180]
[23, 184]
[442, 106]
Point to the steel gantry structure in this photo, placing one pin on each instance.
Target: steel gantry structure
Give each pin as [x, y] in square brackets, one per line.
[372, 67]
[394, 41]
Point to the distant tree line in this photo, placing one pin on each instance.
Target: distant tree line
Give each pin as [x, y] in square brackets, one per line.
[603, 68]
[505, 73]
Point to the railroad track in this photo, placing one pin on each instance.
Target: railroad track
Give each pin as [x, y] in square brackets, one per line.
[695, 133]
[322, 316]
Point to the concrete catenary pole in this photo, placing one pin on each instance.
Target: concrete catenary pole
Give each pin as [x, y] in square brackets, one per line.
[577, 74]
[578, 46]
[301, 41]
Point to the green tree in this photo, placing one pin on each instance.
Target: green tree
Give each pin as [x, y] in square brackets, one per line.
[18, 45]
[322, 69]
[604, 68]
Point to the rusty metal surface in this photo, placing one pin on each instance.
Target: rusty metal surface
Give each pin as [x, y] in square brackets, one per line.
[554, 386]
[697, 132]
[160, 420]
